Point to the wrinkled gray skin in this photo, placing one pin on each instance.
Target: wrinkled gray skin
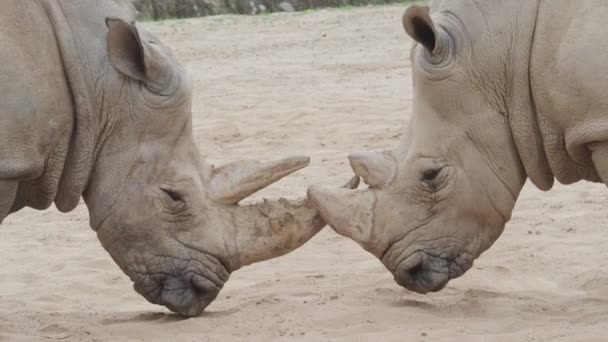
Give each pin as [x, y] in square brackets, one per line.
[100, 109]
[503, 91]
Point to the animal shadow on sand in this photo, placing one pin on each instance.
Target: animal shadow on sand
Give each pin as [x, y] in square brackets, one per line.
[163, 317]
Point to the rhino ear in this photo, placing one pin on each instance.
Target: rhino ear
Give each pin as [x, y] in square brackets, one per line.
[137, 57]
[418, 25]
[125, 49]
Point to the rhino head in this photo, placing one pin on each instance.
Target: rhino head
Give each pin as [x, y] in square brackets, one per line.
[169, 219]
[440, 199]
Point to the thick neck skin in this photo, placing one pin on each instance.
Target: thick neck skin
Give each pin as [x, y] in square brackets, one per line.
[493, 40]
[541, 123]
[80, 30]
[508, 31]
[541, 73]
[568, 83]
[521, 108]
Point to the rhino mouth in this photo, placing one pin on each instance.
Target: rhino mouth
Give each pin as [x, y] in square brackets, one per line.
[187, 288]
[187, 295]
[423, 272]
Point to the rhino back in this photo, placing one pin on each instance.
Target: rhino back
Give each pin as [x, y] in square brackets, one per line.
[36, 111]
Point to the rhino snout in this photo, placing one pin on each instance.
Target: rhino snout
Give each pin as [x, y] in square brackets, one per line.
[187, 295]
[187, 287]
[424, 272]
[420, 274]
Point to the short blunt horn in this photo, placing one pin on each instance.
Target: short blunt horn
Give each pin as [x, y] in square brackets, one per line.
[377, 169]
[233, 182]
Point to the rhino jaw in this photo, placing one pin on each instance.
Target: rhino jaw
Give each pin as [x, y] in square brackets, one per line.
[350, 213]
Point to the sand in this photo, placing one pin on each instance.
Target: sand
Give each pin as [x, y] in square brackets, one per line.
[324, 84]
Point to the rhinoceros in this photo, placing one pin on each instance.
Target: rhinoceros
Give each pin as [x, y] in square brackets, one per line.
[504, 91]
[93, 106]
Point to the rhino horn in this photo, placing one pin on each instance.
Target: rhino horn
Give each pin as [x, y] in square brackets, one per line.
[350, 213]
[273, 228]
[233, 182]
[377, 169]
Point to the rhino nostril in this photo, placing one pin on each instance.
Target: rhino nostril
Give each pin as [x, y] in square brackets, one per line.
[408, 276]
[199, 290]
[415, 272]
[419, 275]
[204, 289]
[412, 273]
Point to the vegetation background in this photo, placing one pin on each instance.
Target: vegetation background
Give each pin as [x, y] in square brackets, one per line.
[164, 9]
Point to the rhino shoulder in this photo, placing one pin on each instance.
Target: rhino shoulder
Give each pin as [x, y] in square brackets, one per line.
[36, 115]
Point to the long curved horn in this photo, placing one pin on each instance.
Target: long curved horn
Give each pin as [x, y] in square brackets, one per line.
[273, 228]
[235, 181]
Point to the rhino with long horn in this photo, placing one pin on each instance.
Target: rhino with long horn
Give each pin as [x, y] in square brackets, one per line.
[95, 107]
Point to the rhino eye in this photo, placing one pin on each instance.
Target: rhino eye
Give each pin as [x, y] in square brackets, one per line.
[430, 175]
[174, 196]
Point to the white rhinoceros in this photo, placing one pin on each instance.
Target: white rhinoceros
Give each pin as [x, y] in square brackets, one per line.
[503, 91]
[94, 107]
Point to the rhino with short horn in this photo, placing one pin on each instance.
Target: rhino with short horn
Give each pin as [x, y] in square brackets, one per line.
[93, 106]
[504, 91]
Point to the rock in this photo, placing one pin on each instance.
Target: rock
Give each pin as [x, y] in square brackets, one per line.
[286, 7]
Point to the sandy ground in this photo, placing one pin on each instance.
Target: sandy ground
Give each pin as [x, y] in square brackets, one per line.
[323, 84]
